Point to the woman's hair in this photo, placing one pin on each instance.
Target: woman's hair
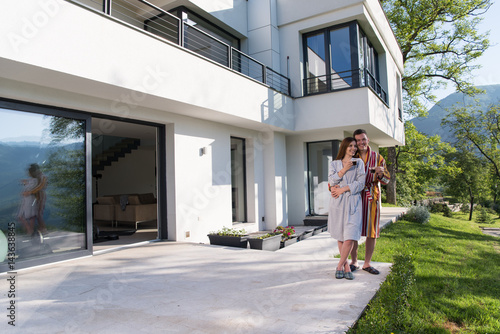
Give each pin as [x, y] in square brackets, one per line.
[34, 171]
[343, 147]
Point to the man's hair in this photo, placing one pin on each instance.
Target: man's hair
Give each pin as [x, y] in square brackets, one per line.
[359, 132]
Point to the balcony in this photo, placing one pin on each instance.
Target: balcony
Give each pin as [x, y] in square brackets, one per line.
[344, 80]
[146, 16]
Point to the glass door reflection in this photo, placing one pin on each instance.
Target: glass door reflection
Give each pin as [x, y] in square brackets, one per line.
[42, 184]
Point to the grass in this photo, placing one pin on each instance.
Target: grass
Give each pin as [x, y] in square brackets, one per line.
[457, 274]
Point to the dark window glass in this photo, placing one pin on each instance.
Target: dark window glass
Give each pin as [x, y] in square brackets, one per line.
[319, 156]
[42, 184]
[238, 179]
[316, 64]
[210, 29]
[163, 26]
[340, 53]
[340, 57]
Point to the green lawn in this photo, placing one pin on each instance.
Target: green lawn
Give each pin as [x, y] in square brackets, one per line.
[457, 273]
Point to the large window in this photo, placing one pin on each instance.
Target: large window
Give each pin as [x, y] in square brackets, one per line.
[319, 156]
[42, 185]
[340, 57]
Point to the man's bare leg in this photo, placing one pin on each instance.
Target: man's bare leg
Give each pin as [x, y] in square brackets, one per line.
[354, 254]
[370, 248]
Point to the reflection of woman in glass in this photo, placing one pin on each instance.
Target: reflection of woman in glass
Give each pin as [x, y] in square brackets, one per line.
[40, 195]
[29, 204]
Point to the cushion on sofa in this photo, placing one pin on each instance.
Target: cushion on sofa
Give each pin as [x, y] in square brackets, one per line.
[148, 198]
[134, 200]
[106, 200]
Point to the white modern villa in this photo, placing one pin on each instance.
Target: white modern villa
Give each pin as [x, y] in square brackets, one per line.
[182, 116]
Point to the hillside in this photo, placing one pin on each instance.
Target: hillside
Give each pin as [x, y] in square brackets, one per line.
[431, 125]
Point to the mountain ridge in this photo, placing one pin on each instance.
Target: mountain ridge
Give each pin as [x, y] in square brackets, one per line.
[431, 125]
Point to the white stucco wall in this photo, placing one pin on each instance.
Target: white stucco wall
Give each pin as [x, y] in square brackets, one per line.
[76, 50]
[64, 56]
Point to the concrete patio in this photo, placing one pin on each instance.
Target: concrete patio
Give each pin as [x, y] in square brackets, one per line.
[171, 287]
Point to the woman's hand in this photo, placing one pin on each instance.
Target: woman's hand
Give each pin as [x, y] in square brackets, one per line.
[336, 191]
[346, 166]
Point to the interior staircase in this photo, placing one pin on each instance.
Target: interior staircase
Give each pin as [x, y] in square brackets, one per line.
[114, 153]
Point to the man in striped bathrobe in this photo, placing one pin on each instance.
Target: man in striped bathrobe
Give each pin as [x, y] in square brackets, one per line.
[376, 174]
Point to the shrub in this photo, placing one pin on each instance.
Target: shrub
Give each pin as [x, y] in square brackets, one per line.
[436, 207]
[465, 208]
[417, 214]
[391, 311]
[496, 208]
[441, 208]
[447, 211]
[483, 216]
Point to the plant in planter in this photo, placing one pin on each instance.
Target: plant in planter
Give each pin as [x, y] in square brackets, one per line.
[229, 237]
[287, 235]
[269, 241]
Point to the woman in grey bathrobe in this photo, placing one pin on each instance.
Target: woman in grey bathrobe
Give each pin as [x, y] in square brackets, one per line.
[346, 180]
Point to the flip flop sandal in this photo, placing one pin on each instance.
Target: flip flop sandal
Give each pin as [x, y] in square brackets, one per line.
[372, 270]
[348, 275]
[353, 267]
[339, 274]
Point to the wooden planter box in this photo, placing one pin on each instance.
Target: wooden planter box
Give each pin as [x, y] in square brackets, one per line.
[224, 240]
[269, 244]
[288, 242]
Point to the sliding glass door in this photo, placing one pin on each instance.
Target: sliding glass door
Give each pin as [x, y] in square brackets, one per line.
[43, 199]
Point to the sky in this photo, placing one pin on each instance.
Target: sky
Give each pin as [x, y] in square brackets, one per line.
[489, 74]
[29, 126]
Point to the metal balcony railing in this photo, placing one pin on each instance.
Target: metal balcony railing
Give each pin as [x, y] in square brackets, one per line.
[146, 16]
[344, 80]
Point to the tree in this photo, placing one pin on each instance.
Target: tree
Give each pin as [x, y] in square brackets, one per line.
[422, 162]
[469, 181]
[66, 169]
[479, 129]
[439, 41]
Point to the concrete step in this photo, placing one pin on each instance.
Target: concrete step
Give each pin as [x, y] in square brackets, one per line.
[315, 220]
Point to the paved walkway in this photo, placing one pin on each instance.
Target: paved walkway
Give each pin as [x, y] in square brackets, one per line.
[493, 231]
[170, 287]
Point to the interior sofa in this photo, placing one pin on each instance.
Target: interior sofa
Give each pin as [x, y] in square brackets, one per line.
[130, 208]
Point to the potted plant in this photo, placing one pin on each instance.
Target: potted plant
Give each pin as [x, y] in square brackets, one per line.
[229, 237]
[287, 235]
[268, 241]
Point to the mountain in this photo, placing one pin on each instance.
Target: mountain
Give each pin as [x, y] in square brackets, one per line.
[431, 125]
